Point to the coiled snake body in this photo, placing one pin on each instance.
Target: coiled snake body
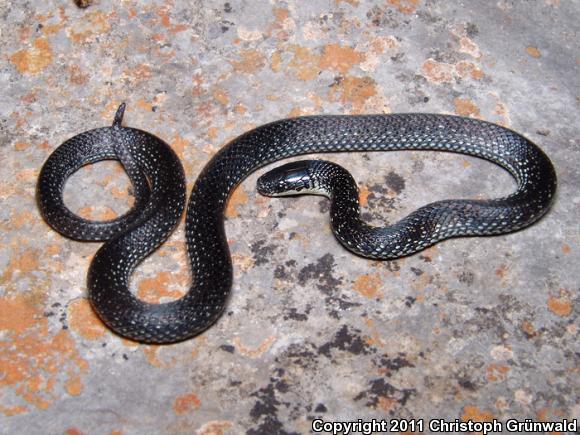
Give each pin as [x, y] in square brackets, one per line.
[159, 185]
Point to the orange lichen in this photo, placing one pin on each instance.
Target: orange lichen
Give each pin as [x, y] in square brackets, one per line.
[179, 144]
[216, 427]
[466, 45]
[186, 403]
[550, 414]
[83, 320]
[465, 68]
[501, 110]
[466, 107]
[21, 264]
[35, 59]
[240, 109]
[404, 6]
[304, 63]
[276, 61]
[475, 414]
[32, 360]
[566, 248]
[76, 76]
[497, 372]
[368, 285]
[528, 328]
[74, 385]
[363, 195]
[20, 146]
[386, 403]
[251, 62]
[20, 219]
[533, 51]
[99, 213]
[339, 58]
[437, 72]
[560, 305]
[162, 285]
[239, 197]
[354, 90]
[144, 105]
[91, 25]
[254, 352]
[501, 271]
[17, 314]
[138, 73]
[221, 96]
[281, 14]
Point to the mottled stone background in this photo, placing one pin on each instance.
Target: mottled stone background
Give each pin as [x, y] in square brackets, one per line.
[471, 329]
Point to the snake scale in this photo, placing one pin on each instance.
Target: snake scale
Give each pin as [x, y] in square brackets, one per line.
[159, 185]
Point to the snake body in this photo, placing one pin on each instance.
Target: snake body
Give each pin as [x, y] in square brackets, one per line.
[159, 183]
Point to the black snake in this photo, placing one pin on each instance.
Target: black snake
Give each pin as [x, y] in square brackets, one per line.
[159, 184]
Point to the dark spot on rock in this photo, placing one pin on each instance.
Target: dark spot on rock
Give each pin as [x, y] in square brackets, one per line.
[467, 277]
[417, 271]
[397, 58]
[393, 364]
[395, 182]
[378, 188]
[428, 18]
[381, 389]
[392, 266]
[270, 425]
[336, 82]
[418, 166]
[125, 357]
[324, 205]
[425, 258]
[262, 252]
[227, 7]
[347, 341]
[293, 314]
[425, 99]
[543, 132]
[320, 408]
[380, 17]
[267, 404]
[471, 30]
[265, 410]
[280, 272]
[320, 271]
[409, 301]
[467, 384]
[302, 355]
[228, 348]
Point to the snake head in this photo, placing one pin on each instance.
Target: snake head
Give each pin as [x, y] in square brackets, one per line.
[290, 179]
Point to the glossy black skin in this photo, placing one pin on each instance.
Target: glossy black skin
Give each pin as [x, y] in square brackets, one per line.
[290, 179]
[160, 197]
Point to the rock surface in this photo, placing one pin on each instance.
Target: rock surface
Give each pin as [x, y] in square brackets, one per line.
[474, 328]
